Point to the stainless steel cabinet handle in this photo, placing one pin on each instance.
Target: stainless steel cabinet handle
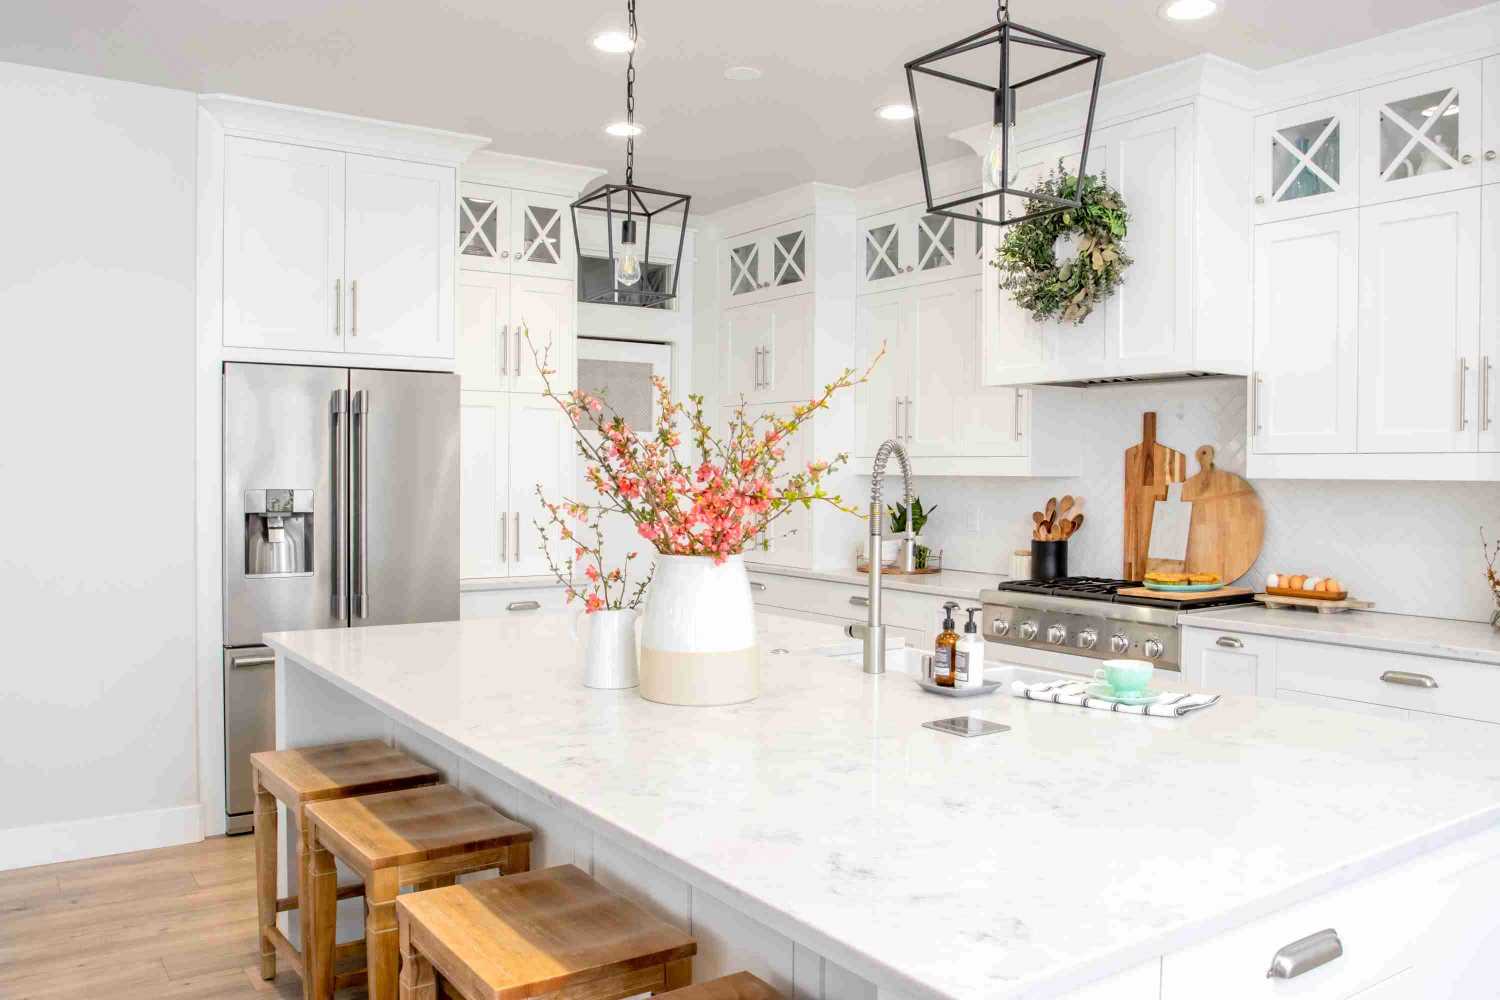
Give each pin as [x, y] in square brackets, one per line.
[518, 534]
[1305, 954]
[504, 348]
[517, 364]
[339, 601]
[361, 479]
[1409, 679]
[252, 661]
[338, 307]
[860, 602]
[1463, 383]
[896, 428]
[1489, 155]
[505, 536]
[908, 418]
[524, 606]
[757, 585]
[1484, 394]
[1255, 404]
[1229, 642]
[1018, 415]
[354, 308]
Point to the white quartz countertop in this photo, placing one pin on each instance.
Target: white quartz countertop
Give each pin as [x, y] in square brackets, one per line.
[1078, 844]
[948, 583]
[1446, 637]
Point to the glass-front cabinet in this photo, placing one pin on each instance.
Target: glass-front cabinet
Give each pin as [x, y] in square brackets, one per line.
[1421, 135]
[768, 263]
[911, 244]
[1307, 159]
[514, 232]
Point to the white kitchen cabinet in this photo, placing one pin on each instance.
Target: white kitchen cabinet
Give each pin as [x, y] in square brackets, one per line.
[910, 245]
[1489, 316]
[399, 219]
[1421, 135]
[283, 246]
[497, 314]
[519, 602]
[483, 227]
[1490, 129]
[514, 231]
[767, 350]
[1229, 663]
[1419, 324]
[1307, 159]
[484, 342]
[1303, 390]
[510, 443]
[768, 263]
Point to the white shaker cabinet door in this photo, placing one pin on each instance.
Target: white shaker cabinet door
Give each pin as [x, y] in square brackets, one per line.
[541, 454]
[1489, 317]
[484, 343]
[400, 262]
[1490, 134]
[746, 345]
[951, 413]
[541, 327]
[283, 246]
[1228, 662]
[788, 363]
[880, 403]
[1419, 323]
[1420, 135]
[1303, 395]
[484, 507]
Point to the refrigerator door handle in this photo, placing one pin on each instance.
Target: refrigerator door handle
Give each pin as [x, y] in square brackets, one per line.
[360, 541]
[339, 601]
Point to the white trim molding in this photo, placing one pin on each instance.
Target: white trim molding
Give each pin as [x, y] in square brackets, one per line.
[527, 173]
[97, 836]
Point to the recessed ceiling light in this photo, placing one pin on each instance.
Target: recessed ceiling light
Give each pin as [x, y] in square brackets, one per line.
[742, 73]
[894, 112]
[613, 41]
[1188, 10]
[624, 130]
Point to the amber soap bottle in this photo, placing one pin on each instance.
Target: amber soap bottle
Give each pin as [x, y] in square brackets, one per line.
[943, 650]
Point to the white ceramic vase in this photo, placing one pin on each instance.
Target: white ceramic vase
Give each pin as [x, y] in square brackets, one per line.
[698, 633]
[609, 660]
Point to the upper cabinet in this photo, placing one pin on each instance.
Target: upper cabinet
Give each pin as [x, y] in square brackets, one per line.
[515, 232]
[1421, 135]
[912, 246]
[769, 263]
[1306, 159]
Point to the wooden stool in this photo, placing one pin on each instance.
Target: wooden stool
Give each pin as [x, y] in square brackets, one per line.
[297, 778]
[554, 933]
[423, 837]
[737, 986]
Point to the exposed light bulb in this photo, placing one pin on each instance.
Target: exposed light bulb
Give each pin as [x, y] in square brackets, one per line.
[627, 256]
[994, 158]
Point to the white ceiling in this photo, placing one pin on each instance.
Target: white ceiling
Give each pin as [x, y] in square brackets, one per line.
[525, 74]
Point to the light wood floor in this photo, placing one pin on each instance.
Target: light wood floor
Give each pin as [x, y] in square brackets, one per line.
[173, 924]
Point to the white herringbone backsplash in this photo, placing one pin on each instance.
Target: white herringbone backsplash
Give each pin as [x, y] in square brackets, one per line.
[1412, 548]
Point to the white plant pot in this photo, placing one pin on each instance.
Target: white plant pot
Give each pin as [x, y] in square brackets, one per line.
[698, 634]
[609, 660]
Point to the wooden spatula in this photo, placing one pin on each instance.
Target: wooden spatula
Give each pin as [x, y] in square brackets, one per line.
[1066, 506]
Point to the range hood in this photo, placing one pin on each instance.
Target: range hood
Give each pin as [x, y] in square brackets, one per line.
[1089, 383]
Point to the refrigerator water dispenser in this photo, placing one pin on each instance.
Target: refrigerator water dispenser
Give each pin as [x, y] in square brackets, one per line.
[278, 532]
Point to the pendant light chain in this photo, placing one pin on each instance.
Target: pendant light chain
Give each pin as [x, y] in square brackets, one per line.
[630, 97]
[1002, 11]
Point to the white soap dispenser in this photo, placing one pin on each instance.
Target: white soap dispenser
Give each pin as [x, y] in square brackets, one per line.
[968, 657]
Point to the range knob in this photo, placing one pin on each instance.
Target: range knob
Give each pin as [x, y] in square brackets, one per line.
[1088, 638]
[1152, 648]
[1028, 631]
[1118, 643]
[998, 627]
[1057, 635]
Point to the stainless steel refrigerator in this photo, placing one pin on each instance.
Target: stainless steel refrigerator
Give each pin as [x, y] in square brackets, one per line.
[340, 509]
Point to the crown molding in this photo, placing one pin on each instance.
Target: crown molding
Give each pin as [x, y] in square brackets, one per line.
[330, 130]
[782, 206]
[528, 173]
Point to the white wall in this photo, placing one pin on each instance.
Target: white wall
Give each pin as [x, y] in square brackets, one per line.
[97, 730]
[1412, 548]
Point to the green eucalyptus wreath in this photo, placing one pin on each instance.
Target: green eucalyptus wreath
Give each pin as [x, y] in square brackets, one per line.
[1067, 289]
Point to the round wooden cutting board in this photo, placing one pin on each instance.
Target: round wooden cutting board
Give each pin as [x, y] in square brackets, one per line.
[1228, 523]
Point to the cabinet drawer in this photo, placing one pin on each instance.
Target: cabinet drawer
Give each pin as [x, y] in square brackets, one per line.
[512, 602]
[1229, 662]
[815, 596]
[1399, 680]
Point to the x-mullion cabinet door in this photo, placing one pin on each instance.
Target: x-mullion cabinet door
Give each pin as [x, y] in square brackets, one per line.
[484, 228]
[745, 269]
[1421, 135]
[788, 253]
[541, 238]
[886, 245]
[1306, 159]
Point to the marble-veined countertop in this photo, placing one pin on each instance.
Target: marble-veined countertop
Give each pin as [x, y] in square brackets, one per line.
[1078, 844]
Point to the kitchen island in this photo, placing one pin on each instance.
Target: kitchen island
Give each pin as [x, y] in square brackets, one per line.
[820, 837]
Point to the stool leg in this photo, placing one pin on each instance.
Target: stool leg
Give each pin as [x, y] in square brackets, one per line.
[265, 877]
[382, 947]
[418, 981]
[518, 860]
[320, 913]
[678, 974]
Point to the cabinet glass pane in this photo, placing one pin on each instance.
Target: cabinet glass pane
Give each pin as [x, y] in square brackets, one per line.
[542, 234]
[1419, 135]
[882, 252]
[744, 269]
[1305, 160]
[789, 259]
[936, 242]
[478, 219]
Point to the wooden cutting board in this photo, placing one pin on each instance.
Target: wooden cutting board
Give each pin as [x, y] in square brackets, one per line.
[1186, 598]
[1228, 523]
[1149, 468]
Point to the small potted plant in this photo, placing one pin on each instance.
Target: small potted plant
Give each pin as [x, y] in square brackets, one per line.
[917, 516]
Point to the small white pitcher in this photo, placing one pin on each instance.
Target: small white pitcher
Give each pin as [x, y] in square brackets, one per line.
[609, 659]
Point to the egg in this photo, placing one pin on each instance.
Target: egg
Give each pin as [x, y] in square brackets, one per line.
[1273, 580]
[1294, 582]
[1333, 586]
[1311, 583]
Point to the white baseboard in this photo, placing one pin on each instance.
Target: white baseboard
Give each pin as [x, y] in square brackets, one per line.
[47, 843]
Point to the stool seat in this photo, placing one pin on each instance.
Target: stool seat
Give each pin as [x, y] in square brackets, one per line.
[538, 933]
[738, 986]
[314, 774]
[412, 825]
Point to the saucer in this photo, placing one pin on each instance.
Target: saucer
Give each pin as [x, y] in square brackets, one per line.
[1104, 693]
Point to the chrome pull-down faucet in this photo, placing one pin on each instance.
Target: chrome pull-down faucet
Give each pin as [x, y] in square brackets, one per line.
[873, 632]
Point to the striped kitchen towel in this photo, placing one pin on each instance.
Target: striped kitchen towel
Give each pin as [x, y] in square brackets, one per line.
[1067, 692]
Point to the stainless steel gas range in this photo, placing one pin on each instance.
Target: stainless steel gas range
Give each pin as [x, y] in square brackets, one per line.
[1088, 616]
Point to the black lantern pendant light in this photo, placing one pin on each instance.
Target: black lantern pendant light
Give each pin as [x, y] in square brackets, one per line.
[1009, 39]
[629, 212]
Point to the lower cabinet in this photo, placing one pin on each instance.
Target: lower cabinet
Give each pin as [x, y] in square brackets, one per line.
[512, 602]
[1229, 662]
[915, 617]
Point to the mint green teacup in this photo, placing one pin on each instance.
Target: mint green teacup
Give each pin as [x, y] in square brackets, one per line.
[1125, 676]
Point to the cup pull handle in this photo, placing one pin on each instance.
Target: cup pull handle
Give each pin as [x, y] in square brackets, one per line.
[1230, 642]
[860, 602]
[757, 585]
[1409, 679]
[1305, 954]
[524, 606]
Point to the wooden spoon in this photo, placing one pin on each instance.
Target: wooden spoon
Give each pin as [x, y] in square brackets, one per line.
[1037, 517]
[1066, 506]
[1076, 523]
[1051, 508]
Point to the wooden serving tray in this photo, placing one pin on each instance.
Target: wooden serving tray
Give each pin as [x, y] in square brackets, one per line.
[898, 571]
[1326, 605]
[1308, 595]
[1185, 597]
